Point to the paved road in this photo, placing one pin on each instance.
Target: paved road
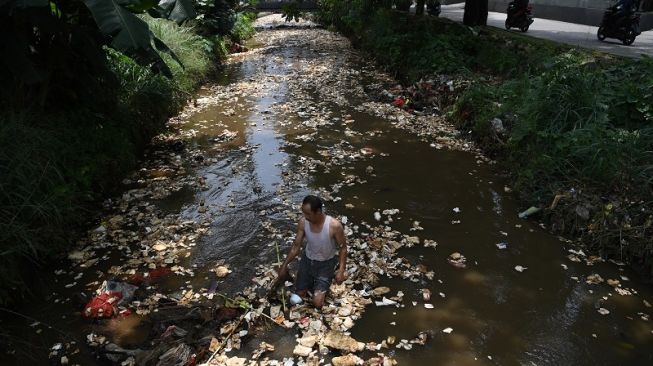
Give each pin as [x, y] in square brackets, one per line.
[570, 33]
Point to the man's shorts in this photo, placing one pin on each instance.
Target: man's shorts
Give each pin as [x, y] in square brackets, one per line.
[315, 275]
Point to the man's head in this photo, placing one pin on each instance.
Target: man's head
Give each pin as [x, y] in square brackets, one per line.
[312, 208]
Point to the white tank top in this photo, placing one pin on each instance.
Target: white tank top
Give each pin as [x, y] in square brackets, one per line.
[320, 246]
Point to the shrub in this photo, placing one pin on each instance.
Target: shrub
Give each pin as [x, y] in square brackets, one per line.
[51, 167]
[55, 164]
[193, 52]
[243, 27]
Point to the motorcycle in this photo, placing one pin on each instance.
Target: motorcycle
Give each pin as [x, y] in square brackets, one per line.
[624, 28]
[433, 8]
[521, 18]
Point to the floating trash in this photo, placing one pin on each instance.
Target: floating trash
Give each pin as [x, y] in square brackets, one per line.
[519, 268]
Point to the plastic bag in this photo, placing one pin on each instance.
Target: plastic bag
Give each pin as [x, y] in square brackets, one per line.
[112, 294]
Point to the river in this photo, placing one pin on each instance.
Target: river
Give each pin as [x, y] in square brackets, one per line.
[301, 117]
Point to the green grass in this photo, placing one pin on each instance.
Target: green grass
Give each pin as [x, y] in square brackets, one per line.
[52, 167]
[416, 46]
[34, 197]
[243, 27]
[589, 125]
[583, 129]
[193, 51]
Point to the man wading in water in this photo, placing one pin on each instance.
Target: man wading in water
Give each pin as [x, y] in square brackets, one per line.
[325, 237]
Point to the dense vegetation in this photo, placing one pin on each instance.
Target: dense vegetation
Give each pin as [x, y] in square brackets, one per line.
[567, 123]
[79, 101]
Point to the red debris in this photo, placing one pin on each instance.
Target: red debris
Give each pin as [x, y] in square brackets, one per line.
[235, 48]
[157, 273]
[112, 294]
[102, 306]
[152, 275]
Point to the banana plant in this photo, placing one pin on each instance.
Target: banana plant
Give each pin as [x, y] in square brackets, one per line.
[177, 10]
[117, 20]
[291, 10]
[130, 34]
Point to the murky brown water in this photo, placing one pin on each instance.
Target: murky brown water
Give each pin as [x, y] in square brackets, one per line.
[542, 316]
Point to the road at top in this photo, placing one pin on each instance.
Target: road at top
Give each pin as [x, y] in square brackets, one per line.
[574, 34]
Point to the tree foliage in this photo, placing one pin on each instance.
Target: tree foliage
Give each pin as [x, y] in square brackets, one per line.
[48, 44]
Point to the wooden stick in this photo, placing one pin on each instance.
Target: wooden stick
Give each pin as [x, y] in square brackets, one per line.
[249, 308]
[226, 339]
[283, 285]
[223, 343]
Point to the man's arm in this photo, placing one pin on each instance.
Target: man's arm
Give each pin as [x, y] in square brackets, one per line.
[295, 249]
[341, 240]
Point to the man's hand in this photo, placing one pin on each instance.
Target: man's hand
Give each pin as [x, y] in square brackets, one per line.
[340, 276]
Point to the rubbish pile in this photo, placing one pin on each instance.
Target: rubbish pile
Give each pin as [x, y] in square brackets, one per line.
[424, 97]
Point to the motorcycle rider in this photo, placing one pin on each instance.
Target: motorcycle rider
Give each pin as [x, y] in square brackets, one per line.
[519, 6]
[433, 7]
[623, 10]
[620, 21]
[517, 9]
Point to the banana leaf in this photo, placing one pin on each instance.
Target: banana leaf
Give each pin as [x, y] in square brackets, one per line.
[128, 33]
[177, 10]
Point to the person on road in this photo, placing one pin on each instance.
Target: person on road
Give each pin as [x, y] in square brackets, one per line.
[325, 247]
[627, 5]
[519, 9]
[624, 8]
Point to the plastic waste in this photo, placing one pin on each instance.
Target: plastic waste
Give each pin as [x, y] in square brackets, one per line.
[457, 260]
[385, 302]
[101, 306]
[112, 294]
[181, 355]
[150, 276]
[530, 211]
[519, 268]
[295, 299]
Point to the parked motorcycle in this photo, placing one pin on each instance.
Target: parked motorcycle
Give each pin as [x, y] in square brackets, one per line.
[519, 16]
[622, 27]
[433, 7]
